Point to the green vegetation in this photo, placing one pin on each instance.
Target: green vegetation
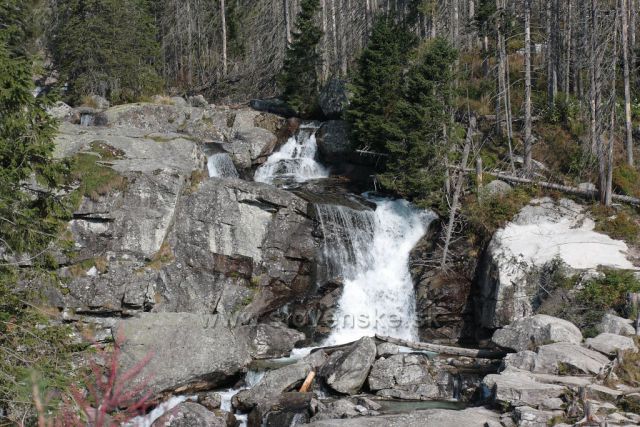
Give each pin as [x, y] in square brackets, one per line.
[299, 77]
[106, 47]
[94, 179]
[586, 305]
[621, 224]
[400, 109]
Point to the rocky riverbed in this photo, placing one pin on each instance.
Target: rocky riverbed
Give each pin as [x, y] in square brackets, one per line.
[230, 284]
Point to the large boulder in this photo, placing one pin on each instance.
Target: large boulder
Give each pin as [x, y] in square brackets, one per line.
[531, 332]
[189, 414]
[346, 370]
[559, 358]
[184, 351]
[333, 98]
[545, 231]
[271, 340]
[611, 344]
[518, 388]
[409, 376]
[251, 147]
[333, 141]
[613, 324]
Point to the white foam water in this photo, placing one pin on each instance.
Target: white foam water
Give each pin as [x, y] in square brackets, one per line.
[295, 161]
[371, 251]
[220, 165]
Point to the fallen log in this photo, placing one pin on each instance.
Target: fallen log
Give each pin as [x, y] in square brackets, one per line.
[559, 187]
[445, 349]
[307, 382]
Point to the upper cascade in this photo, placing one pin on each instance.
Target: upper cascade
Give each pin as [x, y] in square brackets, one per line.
[295, 162]
[370, 251]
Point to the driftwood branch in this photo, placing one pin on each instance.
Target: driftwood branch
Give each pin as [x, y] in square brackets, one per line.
[445, 349]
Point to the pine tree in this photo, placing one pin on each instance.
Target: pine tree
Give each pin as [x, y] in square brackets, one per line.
[377, 86]
[28, 213]
[299, 77]
[106, 47]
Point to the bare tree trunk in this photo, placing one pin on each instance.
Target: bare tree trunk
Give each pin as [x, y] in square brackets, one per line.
[458, 189]
[612, 131]
[287, 20]
[527, 86]
[627, 86]
[567, 76]
[223, 24]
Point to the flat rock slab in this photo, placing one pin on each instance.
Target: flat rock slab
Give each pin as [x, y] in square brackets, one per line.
[519, 389]
[472, 417]
[186, 350]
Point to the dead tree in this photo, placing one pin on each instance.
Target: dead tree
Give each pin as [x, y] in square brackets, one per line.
[527, 86]
[627, 86]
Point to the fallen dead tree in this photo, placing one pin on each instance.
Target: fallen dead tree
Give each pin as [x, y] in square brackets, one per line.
[445, 349]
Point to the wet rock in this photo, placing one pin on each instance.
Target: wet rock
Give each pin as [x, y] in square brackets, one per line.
[530, 332]
[210, 400]
[270, 340]
[276, 382]
[386, 349]
[189, 414]
[341, 408]
[611, 344]
[333, 141]
[186, 351]
[346, 370]
[333, 98]
[613, 324]
[250, 147]
[472, 417]
[290, 409]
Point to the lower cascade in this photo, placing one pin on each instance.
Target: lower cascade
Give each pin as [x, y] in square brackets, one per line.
[220, 165]
[371, 251]
[295, 162]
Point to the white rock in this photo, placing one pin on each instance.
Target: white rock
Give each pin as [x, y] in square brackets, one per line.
[543, 231]
[531, 332]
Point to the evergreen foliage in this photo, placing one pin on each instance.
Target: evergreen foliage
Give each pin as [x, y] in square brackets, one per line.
[299, 78]
[106, 47]
[400, 106]
[30, 217]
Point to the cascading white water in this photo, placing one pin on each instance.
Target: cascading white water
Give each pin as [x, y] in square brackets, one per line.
[295, 161]
[371, 252]
[220, 165]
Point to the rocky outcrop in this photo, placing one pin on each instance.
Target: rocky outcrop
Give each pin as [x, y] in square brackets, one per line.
[181, 351]
[544, 231]
[559, 358]
[270, 340]
[334, 145]
[531, 332]
[333, 98]
[347, 370]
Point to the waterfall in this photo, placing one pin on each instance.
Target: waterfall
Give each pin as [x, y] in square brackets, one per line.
[370, 250]
[295, 161]
[221, 166]
[87, 119]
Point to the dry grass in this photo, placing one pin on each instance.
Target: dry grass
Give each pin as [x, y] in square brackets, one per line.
[163, 100]
[163, 257]
[88, 101]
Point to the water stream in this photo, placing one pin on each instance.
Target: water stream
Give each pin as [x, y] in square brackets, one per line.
[295, 162]
[370, 251]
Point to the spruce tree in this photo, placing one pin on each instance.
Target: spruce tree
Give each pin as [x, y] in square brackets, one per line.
[377, 86]
[106, 47]
[299, 77]
[28, 213]
[415, 166]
